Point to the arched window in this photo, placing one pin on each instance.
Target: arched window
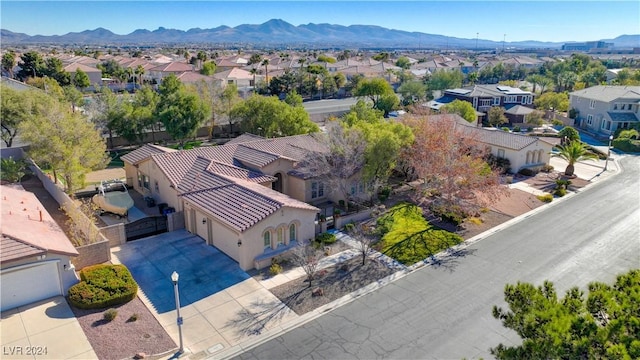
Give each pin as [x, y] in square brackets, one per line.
[292, 232]
[540, 152]
[267, 240]
[280, 236]
[528, 157]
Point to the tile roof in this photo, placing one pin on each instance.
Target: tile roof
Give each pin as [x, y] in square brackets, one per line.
[609, 93]
[234, 73]
[75, 66]
[198, 178]
[234, 205]
[173, 66]
[25, 219]
[246, 137]
[500, 138]
[239, 203]
[252, 157]
[13, 249]
[238, 173]
[144, 152]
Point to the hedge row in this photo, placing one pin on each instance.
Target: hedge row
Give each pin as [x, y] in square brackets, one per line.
[102, 286]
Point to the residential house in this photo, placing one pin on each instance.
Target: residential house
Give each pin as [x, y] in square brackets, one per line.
[604, 109]
[192, 77]
[484, 97]
[243, 197]
[159, 72]
[522, 151]
[35, 254]
[244, 80]
[95, 75]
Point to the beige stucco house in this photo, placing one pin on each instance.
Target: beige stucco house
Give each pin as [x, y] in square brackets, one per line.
[35, 254]
[242, 197]
[522, 151]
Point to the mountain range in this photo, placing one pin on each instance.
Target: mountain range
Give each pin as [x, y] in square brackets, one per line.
[279, 33]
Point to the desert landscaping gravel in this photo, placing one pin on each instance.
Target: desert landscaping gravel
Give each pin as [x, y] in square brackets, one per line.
[123, 338]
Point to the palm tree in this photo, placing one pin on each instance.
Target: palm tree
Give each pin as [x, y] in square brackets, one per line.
[573, 152]
[139, 72]
[253, 72]
[265, 63]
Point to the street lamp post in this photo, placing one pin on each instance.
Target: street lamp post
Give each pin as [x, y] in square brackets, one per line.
[606, 162]
[174, 279]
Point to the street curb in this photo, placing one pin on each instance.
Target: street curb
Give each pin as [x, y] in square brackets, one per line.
[432, 261]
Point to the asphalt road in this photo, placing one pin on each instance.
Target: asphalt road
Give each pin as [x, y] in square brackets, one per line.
[329, 106]
[444, 312]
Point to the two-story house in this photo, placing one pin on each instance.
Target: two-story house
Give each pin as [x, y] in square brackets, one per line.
[484, 97]
[604, 109]
[243, 197]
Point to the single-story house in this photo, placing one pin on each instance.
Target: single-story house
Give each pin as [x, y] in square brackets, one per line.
[95, 75]
[240, 197]
[523, 151]
[35, 254]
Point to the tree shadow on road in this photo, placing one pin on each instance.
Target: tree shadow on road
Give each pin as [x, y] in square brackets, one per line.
[449, 259]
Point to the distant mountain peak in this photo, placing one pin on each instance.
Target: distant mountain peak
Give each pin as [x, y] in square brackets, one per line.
[277, 32]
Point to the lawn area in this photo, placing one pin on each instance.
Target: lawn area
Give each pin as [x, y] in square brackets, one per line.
[408, 237]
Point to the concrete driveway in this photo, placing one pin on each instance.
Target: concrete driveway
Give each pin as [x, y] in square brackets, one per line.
[221, 305]
[43, 330]
[203, 269]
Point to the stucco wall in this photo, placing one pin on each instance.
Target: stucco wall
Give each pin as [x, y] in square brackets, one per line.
[297, 189]
[226, 239]
[92, 254]
[163, 193]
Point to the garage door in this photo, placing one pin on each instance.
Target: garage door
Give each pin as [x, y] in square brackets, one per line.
[29, 283]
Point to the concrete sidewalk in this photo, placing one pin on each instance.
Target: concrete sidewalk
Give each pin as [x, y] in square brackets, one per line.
[47, 329]
[590, 170]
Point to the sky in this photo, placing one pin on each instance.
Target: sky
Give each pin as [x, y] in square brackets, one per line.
[498, 20]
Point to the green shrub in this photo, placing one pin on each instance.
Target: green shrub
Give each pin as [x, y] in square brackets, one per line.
[110, 315]
[326, 238]
[453, 215]
[102, 286]
[628, 134]
[560, 192]
[627, 145]
[546, 168]
[133, 318]
[528, 172]
[545, 198]
[348, 227]
[504, 128]
[12, 170]
[556, 122]
[384, 193]
[516, 128]
[275, 268]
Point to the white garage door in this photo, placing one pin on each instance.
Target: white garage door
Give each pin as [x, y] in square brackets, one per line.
[29, 283]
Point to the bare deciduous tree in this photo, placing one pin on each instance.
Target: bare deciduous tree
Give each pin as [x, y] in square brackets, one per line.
[338, 160]
[308, 258]
[364, 238]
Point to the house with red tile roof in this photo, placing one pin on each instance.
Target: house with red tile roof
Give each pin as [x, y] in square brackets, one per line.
[242, 197]
[35, 254]
[159, 72]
